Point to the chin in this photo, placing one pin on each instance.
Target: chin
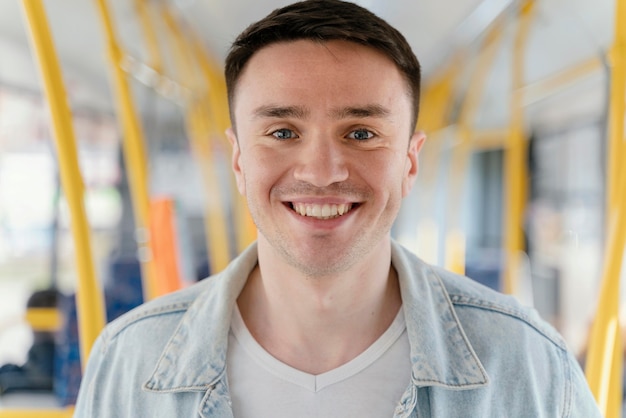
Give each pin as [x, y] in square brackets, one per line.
[313, 268]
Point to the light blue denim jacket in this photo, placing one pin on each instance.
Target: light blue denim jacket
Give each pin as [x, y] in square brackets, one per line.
[475, 353]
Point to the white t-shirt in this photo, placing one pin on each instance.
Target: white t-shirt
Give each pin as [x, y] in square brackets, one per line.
[370, 385]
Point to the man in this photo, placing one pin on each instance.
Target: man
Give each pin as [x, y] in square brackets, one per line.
[326, 316]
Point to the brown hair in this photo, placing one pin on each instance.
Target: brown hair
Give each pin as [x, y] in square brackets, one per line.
[320, 21]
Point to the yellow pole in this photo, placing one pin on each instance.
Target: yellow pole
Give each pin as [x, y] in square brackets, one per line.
[605, 355]
[89, 298]
[44, 319]
[199, 118]
[455, 239]
[244, 227]
[37, 413]
[433, 119]
[217, 90]
[617, 61]
[515, 161]
[134, 152]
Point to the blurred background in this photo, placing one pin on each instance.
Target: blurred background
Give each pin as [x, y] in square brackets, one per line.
[519, 184]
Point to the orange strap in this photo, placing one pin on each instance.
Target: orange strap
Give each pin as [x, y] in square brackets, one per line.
[164, 246]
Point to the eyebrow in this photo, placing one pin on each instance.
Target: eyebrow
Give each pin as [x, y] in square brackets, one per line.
[300, 112]
[367, 111]
[273, 111]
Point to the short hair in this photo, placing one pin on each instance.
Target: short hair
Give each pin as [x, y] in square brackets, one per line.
[321, 21]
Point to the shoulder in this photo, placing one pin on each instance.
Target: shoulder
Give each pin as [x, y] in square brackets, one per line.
[477, 306]
[469, 295]
[516, 345]
[196, 309]
[167, 308]
[521, 353]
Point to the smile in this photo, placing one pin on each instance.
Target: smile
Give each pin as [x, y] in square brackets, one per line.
[325, 211]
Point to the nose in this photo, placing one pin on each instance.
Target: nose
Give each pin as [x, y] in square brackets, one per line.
[322, 161]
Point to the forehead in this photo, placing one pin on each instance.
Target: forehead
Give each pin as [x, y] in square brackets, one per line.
[331, 70]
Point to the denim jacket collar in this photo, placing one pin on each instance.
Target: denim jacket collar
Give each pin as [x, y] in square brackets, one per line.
[441, 355]
[203, 333]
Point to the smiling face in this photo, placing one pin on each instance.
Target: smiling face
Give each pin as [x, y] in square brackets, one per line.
[323, 152]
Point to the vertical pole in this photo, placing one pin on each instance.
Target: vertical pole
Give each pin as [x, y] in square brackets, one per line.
[605, 355]
[201, 124]
[617, 63]
[244, 226]
[515, 160]
[134, 152]
[434, 117]
[456, 238]
[89, 298]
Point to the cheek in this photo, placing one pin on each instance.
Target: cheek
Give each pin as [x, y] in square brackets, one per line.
[261, 170]
[383, 172]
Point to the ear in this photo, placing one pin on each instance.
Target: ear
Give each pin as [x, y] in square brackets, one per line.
[236, 161]
[411, 168]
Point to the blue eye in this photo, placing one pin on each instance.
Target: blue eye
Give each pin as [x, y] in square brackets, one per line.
[361, 135]
[283, 134]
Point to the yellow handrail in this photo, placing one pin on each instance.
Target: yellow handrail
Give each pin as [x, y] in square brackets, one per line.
[201, 132]
[90, 305]
[134, 152]
[617, 61]
[605, 354]
[515, 159]
[434, 117]
[44, 319]
[245, 228]
[455, 237]
[37, 413]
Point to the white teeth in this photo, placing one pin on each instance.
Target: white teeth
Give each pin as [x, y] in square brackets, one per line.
[326, 211]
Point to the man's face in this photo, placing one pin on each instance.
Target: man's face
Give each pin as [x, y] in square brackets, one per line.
[323, 151]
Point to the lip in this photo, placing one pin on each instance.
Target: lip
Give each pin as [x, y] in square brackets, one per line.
[319, 200]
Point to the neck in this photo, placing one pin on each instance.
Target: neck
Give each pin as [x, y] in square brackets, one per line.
[316, 324]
